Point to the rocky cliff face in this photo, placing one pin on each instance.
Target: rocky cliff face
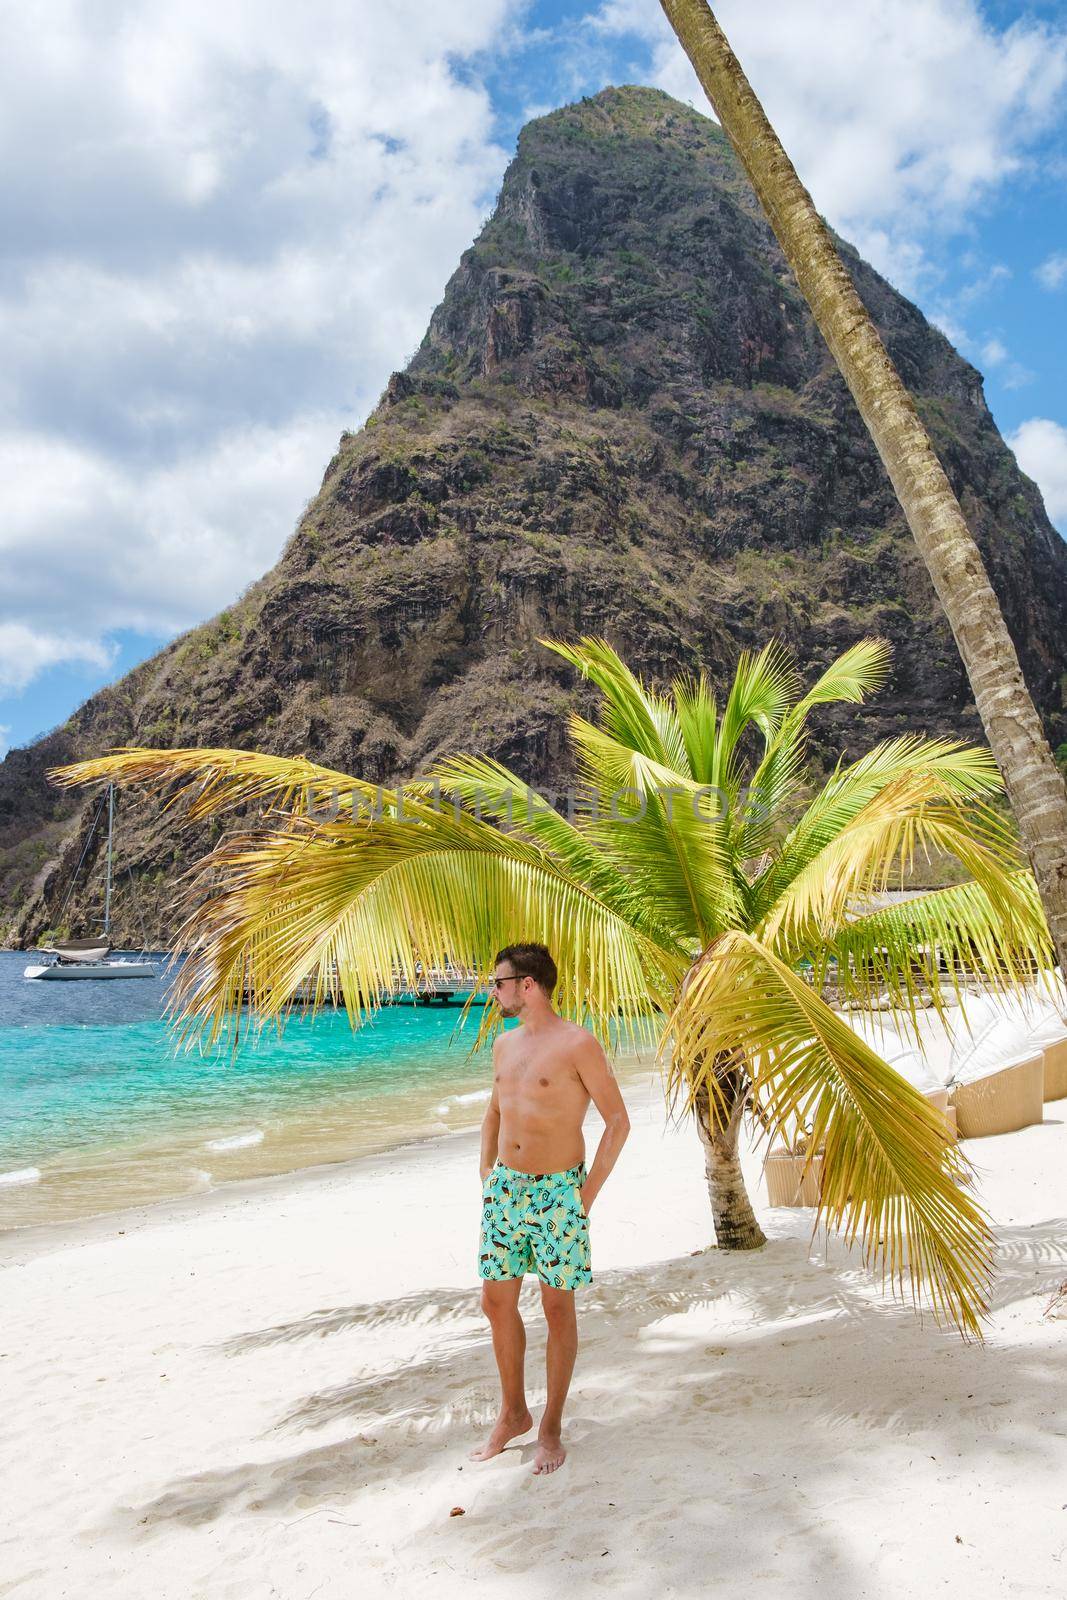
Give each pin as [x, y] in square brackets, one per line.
[622, 420]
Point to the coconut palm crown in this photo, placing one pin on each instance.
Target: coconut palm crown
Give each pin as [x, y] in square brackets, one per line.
[690, 882]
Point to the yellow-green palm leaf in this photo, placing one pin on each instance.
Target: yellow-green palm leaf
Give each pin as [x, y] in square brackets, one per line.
[934, 943]
[891, 1178]
[704, 910]
[215, 782]
[353, 908]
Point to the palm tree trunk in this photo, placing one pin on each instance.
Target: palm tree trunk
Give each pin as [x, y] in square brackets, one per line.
[735, 1222]
[1033, 782]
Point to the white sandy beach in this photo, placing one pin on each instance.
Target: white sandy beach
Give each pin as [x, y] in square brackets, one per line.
[272, 1392]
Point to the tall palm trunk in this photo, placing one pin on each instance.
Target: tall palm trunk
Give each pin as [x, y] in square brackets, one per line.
[735, 1222]
[1034, 785]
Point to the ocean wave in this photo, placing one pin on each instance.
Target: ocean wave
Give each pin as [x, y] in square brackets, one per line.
[453, 1100]
[236, 1141]
[21, 1175]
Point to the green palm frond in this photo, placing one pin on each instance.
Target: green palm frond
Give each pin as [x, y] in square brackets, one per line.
[935, 942]
[890, 1177]
[878, 845]
[352, 908]
[487, 788]
[964, 772]
[851, 678]
[644, 721]
[770, 791]
[857, 673]
[663, 830]
[765, 686]
[697, 714]
[218, 781]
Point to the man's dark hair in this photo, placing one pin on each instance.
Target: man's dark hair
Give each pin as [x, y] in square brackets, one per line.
[531, 961]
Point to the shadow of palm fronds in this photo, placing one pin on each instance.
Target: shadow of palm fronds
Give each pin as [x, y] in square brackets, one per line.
[432, 1309]
[1029, 1261]
[806, 1349]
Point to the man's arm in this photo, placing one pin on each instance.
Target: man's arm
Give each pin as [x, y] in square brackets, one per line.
[490, 1127]
[594, 1069]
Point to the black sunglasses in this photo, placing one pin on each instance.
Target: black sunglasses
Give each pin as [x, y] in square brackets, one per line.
[512, 977]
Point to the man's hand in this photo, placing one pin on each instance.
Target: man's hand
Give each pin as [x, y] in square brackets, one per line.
[602, 1085]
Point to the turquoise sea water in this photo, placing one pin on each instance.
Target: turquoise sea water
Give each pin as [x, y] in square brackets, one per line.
[99, 1109]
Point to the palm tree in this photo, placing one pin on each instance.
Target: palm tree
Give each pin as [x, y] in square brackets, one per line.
[690, 890]
[1034, 784]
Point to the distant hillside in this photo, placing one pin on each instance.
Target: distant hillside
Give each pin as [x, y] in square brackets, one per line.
[622, 420]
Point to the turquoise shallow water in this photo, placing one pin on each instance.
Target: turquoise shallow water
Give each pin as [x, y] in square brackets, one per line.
[98, 1109]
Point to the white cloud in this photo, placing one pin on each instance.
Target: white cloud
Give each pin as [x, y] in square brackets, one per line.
[1017, 376]
[180, 538]
[225, 223]
[992, 352]
[983, 285]
[5, 743]
[1052, 273]
[899, 117]
[224, 226]
[944, 317]
[24, 652]
[1040, 447]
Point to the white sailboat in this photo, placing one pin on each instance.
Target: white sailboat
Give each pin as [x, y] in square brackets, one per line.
[75, 959]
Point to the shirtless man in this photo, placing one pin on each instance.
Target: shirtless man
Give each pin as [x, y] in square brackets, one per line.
[536, 1193]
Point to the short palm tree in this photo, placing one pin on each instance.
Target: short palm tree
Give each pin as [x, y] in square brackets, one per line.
[695, 885]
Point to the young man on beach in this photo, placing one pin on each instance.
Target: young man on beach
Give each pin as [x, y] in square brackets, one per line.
[536, 1192]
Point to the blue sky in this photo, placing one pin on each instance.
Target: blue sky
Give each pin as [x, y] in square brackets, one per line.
[226, 225]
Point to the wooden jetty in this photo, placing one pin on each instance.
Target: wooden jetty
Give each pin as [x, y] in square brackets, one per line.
[441, 987]
[438, 988]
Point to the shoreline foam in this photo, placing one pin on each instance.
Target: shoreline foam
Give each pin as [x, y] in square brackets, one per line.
[194, 1181]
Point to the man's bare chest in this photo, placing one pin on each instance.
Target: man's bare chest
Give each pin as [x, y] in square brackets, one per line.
[535, 1073]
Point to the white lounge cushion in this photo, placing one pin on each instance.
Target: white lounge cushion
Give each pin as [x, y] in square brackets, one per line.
[988, 1032]
[1000, 1043]
[878, 1031]
[1037, 1020]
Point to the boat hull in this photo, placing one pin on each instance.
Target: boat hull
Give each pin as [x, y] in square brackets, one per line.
[60, 972]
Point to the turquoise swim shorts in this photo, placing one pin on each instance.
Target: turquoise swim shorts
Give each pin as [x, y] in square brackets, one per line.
[535, 1222]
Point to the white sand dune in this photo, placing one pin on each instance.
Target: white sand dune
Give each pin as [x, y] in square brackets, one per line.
[271, 1390]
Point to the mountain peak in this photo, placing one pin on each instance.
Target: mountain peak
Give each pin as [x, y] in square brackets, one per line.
[627, 255]
[611, 264]
[626, 110]
[622, 421]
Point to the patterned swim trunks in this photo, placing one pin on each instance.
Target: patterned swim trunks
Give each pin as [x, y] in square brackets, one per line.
[535, 1222]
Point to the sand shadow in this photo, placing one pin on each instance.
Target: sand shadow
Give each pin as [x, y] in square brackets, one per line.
[725, 1338]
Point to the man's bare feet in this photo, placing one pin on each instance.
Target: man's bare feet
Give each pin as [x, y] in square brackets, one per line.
[550, 1453]
[508, 1425]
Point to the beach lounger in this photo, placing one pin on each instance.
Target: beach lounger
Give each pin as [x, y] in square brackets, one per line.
[999, 1058]
[1046, 1030]
[1040, 1023]
[1056, 1069]
[878, 1032]
[1053, 999]
[999, 1099]
[997, 1081]
[787, 1182]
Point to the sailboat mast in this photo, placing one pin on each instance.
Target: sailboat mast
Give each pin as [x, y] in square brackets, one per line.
[110, 831]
